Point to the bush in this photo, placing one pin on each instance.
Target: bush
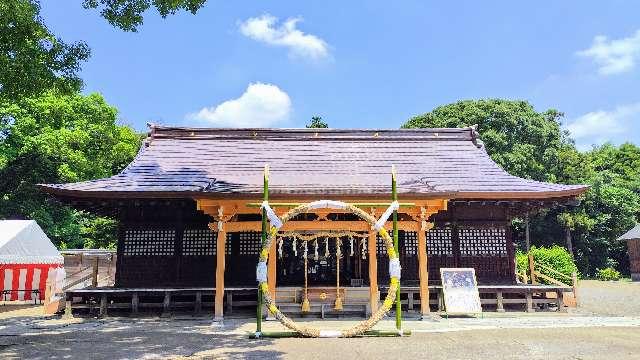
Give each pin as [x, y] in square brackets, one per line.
[608, 274]
[555, 257]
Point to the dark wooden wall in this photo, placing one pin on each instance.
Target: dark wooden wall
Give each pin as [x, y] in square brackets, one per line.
[165, 244]
[170, 244]
[634, 258]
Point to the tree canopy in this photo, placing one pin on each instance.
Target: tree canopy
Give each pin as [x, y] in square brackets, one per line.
[317, 123]
[128, 14]
[521, 140]
[32, 59]
[531, 144]
[57, 138]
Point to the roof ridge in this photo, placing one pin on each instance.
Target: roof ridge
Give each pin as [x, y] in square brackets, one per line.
[174, 132]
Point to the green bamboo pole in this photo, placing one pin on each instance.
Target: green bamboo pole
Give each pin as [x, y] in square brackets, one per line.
[265, 191]
[394, 196]
[358, 204]
[293, 334]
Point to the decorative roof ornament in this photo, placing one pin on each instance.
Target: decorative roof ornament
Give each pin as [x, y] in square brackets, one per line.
[475, 136]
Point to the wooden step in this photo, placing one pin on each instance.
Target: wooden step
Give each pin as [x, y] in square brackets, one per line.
[323, 310]
[323, 294]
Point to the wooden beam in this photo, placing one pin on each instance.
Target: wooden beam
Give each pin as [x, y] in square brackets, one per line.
[239, 226]
[248, 206]
[374, 296]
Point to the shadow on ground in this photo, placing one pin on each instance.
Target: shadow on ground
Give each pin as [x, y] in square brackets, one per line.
[35, 338]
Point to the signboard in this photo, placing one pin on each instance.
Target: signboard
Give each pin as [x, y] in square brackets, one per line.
[460, 291]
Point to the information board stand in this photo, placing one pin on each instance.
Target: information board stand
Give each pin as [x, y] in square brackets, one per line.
[460, 288]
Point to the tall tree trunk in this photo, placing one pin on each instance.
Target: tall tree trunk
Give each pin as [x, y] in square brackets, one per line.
[567, 236]
[527, 236]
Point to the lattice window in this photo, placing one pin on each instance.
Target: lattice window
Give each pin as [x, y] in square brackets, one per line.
[381, 248]
[227, 244]
[198, 242]
[249, 243]
[410, 243]
[149, 242]
[439, 242]
[483, 241]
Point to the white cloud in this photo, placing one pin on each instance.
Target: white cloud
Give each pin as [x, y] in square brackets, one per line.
[265, 29]
[614, 56]
[598, 127]
[261, 105]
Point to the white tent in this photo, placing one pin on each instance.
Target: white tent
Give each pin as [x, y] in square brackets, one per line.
[24, 242]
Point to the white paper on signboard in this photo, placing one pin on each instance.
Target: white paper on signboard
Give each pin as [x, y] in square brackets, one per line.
[460, 291]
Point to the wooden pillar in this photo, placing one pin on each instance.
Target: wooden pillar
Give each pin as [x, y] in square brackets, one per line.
[198, 303]
[423, 263]
[567, 237]
[68, 310]
[103, 305]
[529, 296]
[560, 301]
[374, 296]
[135, 302]
[94, 275]
[527, 234]
[532, 269]
[220, 265]
[271, 269]
[166, 305]
[499, 302]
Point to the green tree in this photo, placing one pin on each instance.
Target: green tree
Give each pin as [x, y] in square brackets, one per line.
[54, 139]
[32, 59]
[128, 14]
[532, 145]
[317, 123]
[624, 161]
[521, 140]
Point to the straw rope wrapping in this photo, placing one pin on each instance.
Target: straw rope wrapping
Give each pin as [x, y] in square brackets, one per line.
[314, 332]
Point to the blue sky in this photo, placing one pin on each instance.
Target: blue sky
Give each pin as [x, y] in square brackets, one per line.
[365, 64]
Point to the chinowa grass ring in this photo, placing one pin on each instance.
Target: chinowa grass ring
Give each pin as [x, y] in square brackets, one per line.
[363, 326]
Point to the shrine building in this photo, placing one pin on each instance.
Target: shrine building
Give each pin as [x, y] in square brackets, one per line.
[190, 220]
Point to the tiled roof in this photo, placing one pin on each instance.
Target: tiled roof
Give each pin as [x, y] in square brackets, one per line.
[228, 162]
[634, 233]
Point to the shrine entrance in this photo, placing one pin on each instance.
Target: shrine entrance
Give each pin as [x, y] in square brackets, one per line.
[322, 267]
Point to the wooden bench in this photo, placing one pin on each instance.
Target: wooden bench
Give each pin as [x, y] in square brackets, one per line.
[526, 295]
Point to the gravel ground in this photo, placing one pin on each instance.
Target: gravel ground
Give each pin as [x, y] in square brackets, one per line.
[154, 339]
[613, 298]
[595, 331]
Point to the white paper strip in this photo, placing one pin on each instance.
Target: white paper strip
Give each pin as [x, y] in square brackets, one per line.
[327, 204]
[273, 218]
[394, 268]
[330, 333]
[261, 272]
[383, 219]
